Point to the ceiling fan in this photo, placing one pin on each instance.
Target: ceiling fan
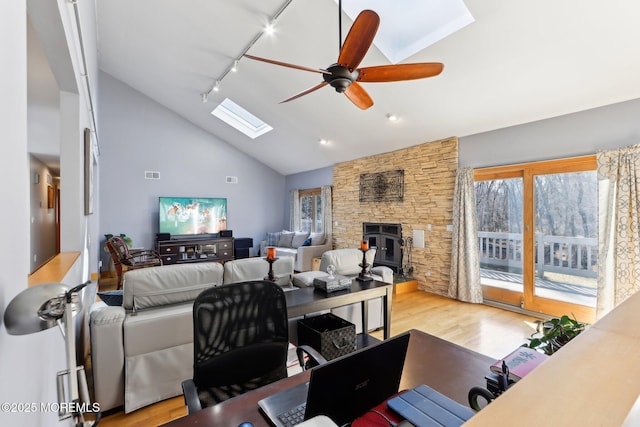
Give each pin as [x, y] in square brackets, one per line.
[344, 76]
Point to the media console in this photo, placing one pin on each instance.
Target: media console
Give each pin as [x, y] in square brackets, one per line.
[195, 249]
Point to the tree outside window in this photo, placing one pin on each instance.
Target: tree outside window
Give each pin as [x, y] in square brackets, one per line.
[311, 210]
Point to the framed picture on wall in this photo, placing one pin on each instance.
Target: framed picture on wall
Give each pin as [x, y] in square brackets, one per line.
[88, 173]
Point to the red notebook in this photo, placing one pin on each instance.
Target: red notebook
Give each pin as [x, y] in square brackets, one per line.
[520, 362]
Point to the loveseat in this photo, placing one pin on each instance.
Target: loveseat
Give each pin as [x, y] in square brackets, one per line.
[301, 245]
[142, 350]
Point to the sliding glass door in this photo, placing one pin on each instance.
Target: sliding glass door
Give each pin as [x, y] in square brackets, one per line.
[537, 235]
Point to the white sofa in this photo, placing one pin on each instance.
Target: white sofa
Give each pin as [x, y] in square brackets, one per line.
[143, 350]
[291, 244]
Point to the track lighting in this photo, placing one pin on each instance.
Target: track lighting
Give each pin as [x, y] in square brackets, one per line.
[269, 29]
[233, 67]
[205, 97]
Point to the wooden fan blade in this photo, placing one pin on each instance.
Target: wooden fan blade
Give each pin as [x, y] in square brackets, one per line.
[304, 92]
[358, 96]
[284, 64]
[394, 73]
[359, 39]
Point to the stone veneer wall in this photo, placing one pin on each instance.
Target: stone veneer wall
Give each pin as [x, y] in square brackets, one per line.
[429, 178]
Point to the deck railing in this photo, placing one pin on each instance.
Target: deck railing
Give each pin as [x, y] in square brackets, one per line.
[576, 256]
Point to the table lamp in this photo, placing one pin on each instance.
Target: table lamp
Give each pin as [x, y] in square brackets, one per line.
[41, 307]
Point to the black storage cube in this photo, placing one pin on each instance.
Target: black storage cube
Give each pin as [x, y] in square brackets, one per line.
[243, 242]
[329, 334]
[239, 253]
[241, 246]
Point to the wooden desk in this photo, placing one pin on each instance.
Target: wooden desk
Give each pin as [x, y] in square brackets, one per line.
[304, 301]
[445, 366]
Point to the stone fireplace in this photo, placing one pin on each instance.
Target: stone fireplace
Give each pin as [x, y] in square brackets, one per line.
[427, 205]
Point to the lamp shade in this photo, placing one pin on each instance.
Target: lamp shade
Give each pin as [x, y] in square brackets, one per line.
[37, 308]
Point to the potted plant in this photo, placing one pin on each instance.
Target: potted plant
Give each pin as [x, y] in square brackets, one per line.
[556, 333]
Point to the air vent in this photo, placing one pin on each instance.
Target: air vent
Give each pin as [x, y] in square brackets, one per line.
[151, 175]
[232, 180]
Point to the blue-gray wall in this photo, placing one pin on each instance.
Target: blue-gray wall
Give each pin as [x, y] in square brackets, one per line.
[577, 134]
[137, 135]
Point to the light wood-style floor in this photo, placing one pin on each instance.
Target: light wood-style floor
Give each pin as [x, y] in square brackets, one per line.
[491, 331]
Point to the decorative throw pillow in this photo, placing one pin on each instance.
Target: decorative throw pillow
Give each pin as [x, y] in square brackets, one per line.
[272, 238]
[317, 239]
[112, 298]
[298, 238]
[285, 239]
[307, 242]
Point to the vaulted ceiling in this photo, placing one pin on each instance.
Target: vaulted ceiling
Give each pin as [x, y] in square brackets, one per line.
[519, 61]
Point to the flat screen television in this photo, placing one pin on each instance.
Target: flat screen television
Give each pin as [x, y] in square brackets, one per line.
[184, 216]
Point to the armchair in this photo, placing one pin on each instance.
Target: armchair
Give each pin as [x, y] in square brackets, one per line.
[132, 259]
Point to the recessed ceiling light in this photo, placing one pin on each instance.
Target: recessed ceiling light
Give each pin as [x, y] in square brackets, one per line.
[392, 117]
[324, 141]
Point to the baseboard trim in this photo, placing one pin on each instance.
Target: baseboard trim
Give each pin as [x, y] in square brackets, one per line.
[405, 287]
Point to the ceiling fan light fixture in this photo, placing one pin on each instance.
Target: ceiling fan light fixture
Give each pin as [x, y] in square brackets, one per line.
[340, 78]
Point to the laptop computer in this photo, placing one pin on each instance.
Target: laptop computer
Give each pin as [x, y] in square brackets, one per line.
[344, 388]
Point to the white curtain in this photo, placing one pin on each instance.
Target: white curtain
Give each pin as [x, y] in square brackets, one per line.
[294, 211]
[464, 280]
[619, 226]
[327, 211]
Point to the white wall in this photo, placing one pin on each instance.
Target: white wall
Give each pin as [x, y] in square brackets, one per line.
[28, 363]
[27, 374]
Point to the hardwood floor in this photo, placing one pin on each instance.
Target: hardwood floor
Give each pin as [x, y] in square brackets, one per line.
[488, 330]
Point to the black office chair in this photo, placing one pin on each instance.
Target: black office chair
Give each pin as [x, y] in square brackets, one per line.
[241, 341]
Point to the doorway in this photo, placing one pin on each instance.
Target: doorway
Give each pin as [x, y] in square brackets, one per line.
[537, 236]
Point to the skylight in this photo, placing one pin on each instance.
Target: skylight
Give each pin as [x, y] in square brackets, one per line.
[409, 26]
[239, 118]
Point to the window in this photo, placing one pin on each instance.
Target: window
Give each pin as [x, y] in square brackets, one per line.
[538, 235]
[239, 118]
[311, 210]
